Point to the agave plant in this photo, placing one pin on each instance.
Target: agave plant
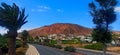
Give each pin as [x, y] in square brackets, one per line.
[12, 18]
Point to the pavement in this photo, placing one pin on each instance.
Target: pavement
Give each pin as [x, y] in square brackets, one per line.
[32, 50]
[44, 50]
[35, 49]
[94, 52]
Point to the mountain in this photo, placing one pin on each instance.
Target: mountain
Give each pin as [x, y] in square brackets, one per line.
[60, 28]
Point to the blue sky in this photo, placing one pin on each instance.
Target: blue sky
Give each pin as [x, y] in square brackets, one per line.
[46, 12]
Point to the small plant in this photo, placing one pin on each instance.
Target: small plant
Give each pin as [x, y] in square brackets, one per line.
[51, 45]
[58, 46]
[69, 48]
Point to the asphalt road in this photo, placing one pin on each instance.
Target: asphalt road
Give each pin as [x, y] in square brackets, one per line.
[44, 50]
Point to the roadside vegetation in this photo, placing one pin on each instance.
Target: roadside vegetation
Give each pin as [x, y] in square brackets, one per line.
[12, 18]
[4, 46]
[103, 15]
[95, 46]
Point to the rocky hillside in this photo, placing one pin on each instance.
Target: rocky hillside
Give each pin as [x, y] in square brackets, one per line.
[61, 28]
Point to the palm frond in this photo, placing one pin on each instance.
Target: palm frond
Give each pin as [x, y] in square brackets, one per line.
[11, 17]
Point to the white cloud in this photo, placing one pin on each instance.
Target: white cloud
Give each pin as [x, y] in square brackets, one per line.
[117, 9]
[44, 7]
[22, 29]
[59, 10]
[41, 8]
[2, 31]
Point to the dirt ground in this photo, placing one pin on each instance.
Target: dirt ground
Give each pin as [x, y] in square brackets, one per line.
[114, 49]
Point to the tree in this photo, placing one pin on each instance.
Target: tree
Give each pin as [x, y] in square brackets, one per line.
[115, 37]
[5, 35]
[30, 39]
[0, 35]
[4, 44]
[36, 39]
[12, 18]
[103, 15]
[24, 36]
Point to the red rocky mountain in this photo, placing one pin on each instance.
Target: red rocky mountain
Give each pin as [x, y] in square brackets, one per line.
[60, 28]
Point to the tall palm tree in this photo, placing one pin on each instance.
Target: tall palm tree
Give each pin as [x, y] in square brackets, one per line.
[12, 18]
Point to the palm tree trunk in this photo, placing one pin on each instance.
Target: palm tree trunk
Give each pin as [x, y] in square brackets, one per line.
[12, 42]
[0, 52]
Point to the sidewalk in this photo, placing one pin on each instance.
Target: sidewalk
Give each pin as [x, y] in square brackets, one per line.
[95, 51]
[32, 50]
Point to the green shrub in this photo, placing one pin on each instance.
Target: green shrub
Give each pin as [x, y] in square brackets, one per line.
[53, 42]
[69, 48]
[58, 46]
[18, 43]
[73, 41]
[96, 46]
[4, 45]
[4, 49]
[51, 45]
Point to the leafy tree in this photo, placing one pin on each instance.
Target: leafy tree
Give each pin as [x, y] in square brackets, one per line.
[0, 35]
[103, 15]
[24, 36]
[5, 35]
[3, 44]
[30, 39]
[37, 39]
[12, 18]
[115, 37]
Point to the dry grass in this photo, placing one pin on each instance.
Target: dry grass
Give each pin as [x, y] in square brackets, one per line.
[75, 45]
[114, 49]
[21, 51]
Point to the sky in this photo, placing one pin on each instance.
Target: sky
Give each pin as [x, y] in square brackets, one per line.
[47, 12]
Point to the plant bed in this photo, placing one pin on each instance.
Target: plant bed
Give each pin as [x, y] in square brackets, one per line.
[21, 50]
[58, 46]
[69, 48]
[96, 46]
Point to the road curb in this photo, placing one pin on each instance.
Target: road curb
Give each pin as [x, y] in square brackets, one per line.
[32, 50]
[113, 53]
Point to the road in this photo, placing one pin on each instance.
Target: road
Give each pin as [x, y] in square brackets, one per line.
[44, 50]
[93, 52]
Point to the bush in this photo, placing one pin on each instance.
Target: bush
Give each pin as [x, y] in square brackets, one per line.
[53, 42]
[3, 45]
[58, 46]
[51, 45]
[73, 41]
[18, 43]
[4, 49]
[69, 48]
[96, 46]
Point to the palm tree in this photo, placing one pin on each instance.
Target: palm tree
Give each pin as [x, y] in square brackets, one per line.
[12, 18]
